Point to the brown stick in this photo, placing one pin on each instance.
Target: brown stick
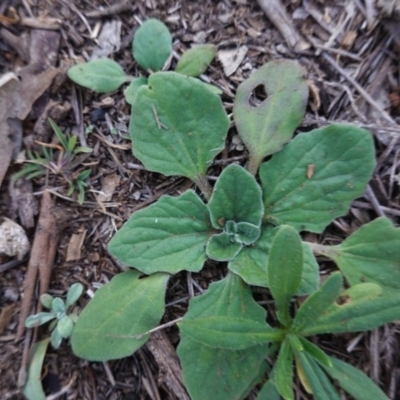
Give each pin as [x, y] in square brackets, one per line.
[277, 14]
[165, 356]
[42, 256]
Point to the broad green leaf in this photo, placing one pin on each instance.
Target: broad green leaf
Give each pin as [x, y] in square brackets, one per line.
[168, 236]
[102, 76]
[354, 381]
[221, 374]
[370, 254]
[232, 333]
[315, 352]
[33, 389]
[361, 307]
[316, 176]
[236, 197]
[131, 91]
[210, 373]
[266, 127]
[269, 392]
[114, 322]
[251, 264]
[214, 89]
[221, 248]
[284, 371]
[65, 327]
[285, 267]
[152, 45]
[316, 304]
[321, 387]
[230, 297]
[38, 319]
[180, 136]
[196, 60]
[74, 292]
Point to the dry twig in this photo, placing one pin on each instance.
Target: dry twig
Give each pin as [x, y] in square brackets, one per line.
[42, 255]
[275, 11]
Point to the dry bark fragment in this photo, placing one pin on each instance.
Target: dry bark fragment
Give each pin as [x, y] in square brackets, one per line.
[167, 360]
[43, 252]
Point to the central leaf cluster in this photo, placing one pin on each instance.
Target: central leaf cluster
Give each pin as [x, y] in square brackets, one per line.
[236, 207]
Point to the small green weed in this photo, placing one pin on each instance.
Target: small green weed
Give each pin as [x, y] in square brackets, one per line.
[57, 159]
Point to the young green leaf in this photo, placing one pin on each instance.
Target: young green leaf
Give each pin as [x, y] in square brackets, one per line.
[371, 254]
[232, 333]
[131, 91]
[56, 338]
[196, 60]
[33, 389]
[46, 300]
[359, 308]
[252, 262]
[285, 267]
[111, 325]
[354, 381]
[58, 305]
[65, 326]
[236, 197]
[315, 352]
[38, 319]
[316, 176]
[74, 292]
[169, 236]
[321, 387]
[219, 373]
[179, 137]
[284, 371]
[221, 248]
[102, 76]
[152, 45]
[247, 233]
[266, 127]
[61, 137]
[316, 304]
